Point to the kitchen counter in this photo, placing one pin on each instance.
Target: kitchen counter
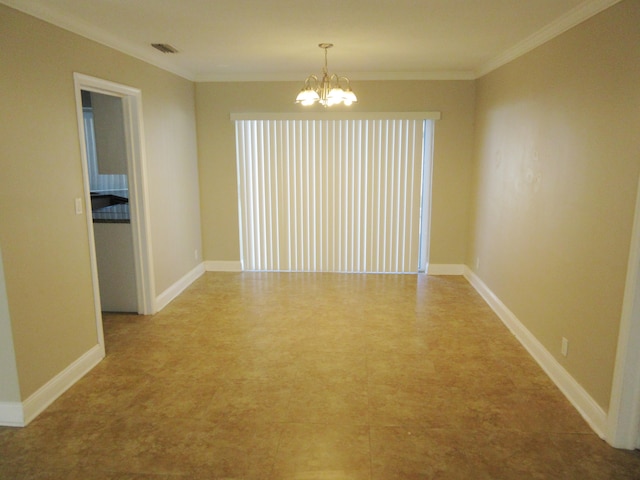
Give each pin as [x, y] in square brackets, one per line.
[110, 207]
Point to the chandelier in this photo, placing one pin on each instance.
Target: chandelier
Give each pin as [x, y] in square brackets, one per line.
[330, 90]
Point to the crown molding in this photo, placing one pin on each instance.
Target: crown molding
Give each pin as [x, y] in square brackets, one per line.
[563, 23]
[358, 76]
[431, 75]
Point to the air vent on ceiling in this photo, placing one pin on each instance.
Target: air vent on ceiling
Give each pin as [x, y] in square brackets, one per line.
[164, 47]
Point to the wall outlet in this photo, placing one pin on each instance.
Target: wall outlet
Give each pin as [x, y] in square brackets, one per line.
[195, 254]
[477, 263]
[78, 205]
[565, 347]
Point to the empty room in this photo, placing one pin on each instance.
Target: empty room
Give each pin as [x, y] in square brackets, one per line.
[329, 241]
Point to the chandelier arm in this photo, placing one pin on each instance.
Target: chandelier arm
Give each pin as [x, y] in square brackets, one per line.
[334, 80]
[311, 82]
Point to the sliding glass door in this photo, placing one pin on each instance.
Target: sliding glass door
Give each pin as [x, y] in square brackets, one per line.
[334, 195]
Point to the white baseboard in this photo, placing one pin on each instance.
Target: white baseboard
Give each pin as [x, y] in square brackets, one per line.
[223, 266]
[11, 414]
[177, 288]
[594, 415]
[445, 269]
[19, 414]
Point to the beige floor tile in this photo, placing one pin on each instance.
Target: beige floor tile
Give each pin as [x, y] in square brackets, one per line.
[330, 339]
[233, 450]
[137, 445]
[509, 455]
[53, 441]
[470, 371]
[404, 341]
[30, 472]
[329, 402]
[181, 398]
[399, 369]
[101, 391]
[331, 452]
[524, 372]
[536, 410]
[250, 400]
[324, 366]
[418, 454]
[313, 377]
[408, 406]
[585, 456]
[178, 447]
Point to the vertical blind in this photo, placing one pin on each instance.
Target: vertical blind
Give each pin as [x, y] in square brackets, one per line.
[336, 195]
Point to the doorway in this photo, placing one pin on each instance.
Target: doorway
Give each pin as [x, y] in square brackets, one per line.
[130, 102]
[106, 151]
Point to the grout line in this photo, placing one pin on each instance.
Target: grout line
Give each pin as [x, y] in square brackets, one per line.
[369, 417]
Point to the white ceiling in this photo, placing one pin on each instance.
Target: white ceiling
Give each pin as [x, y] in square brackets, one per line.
[277, 39]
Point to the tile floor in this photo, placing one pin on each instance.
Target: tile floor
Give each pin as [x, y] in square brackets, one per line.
[313, 377]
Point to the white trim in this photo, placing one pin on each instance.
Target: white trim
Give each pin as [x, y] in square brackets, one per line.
[223, 266]
[357, 76]
[445, 269]
[560, 25]
[9, 371]
[11, 414]
[97, 309]
[139, 203]
[594, 415]
[623, 423]
[178, 287]
[59, 384]
[394, 76]
[325, 115]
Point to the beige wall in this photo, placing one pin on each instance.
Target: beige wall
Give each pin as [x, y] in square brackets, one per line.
[556, 172]
[44, 243]
[452, 153]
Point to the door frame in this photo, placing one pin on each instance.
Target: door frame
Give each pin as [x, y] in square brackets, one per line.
[426, 200]
[623, 419]
[138, 190]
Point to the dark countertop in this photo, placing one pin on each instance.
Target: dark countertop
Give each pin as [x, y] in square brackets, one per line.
[118, 213]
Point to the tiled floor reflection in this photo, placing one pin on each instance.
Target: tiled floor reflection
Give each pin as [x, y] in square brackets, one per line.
[313, 377]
